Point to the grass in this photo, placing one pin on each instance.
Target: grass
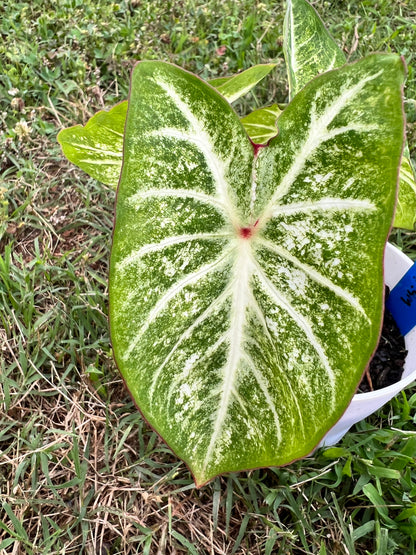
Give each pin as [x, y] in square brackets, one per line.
[80, 471]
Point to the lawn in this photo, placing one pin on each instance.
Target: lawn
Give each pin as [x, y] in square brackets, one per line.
[80, 471]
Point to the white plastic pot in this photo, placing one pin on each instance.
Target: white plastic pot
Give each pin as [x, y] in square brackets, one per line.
[362, 405]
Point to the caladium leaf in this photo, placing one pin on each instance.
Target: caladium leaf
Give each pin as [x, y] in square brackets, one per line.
[242, 83]
[97, 148]
[246, 291]
[310, 50]
[405, 216]
[261, 124]
[219, 81]
[308, 47]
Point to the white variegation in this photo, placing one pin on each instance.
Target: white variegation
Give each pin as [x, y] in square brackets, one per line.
[319, 133]
[178, 193]
[309, 51]
[325, 204]
[313, 274]
[163, 302]
[216, 324]
[200, 138]
[135, 256]
[280, 300]
[308, 47]
[210, 311]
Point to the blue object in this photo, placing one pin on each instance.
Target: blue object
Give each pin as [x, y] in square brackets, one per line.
[402, 301]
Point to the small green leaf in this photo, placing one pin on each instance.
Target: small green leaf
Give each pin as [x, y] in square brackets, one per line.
[246, 292]
[184, 542]
[19, 529]
[406, 202]
[219, 81]
[241, 84]
[261, 124]
[407, 513]
[382, 472]
[308, 47]
[382, 539]
[7, 543]
[335, 453]
[97, 148]
[363, 530]
[347, 471]
[378, 502]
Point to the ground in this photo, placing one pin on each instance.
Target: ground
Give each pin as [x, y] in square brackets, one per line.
[81, 472]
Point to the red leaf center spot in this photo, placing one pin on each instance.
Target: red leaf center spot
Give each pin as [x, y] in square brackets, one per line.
[246, 232]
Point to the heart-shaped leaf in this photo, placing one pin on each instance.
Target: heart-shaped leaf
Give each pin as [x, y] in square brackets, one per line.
[246, 291]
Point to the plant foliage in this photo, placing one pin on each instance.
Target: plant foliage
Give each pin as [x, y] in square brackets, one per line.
[246, 286]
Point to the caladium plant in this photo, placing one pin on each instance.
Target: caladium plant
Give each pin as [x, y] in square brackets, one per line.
[246, 281]
[246, 284]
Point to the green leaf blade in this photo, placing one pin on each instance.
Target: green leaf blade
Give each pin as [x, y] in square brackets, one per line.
[97, 147]
[196, 265]
[261, 124]
[237, 86]
[308, 47]
[405, 216]
[213, 295]
[327, 227]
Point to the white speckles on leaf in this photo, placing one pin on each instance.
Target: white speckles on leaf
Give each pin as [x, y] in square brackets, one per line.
[238, 295]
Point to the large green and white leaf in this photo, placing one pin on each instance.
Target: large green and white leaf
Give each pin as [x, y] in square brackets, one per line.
[405, 216]
[246, 291]
[308, 47]
[97, 148]
[261, 124]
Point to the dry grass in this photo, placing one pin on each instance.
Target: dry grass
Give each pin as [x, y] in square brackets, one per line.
[89, 474]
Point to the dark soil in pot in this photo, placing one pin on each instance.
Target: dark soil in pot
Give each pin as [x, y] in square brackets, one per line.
[386, 366]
